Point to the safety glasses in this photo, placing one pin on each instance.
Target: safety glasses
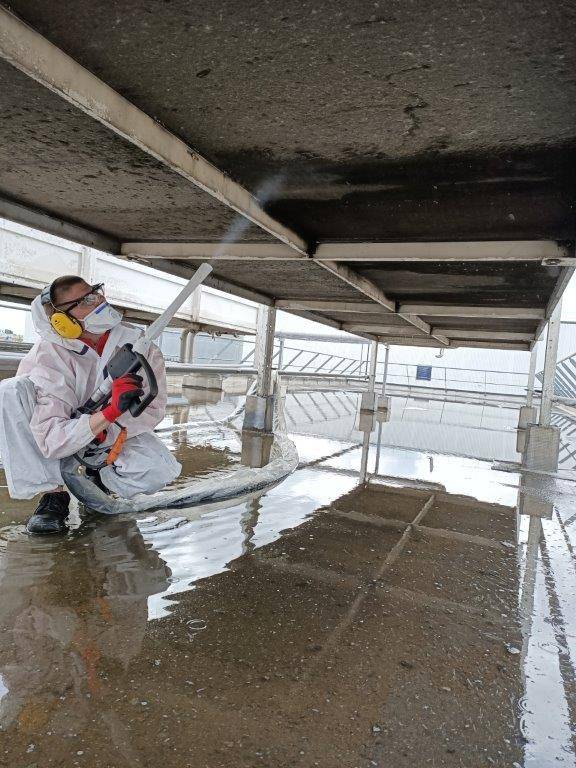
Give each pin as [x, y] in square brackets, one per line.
[90, 299]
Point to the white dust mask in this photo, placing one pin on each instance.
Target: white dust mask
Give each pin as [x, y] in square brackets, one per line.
[101, 319]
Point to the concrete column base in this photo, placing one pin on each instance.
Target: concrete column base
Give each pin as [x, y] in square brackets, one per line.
[203, 381]
[259, 413]
[367, 412]
[201, 396]
[528, 414]
[542, 448]
[256, 448]
[383, 408]
[520, 440]
[236, 385]
[535, 507]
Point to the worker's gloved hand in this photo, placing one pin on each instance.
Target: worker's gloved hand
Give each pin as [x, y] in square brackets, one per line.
[101, 436]
[125, 390]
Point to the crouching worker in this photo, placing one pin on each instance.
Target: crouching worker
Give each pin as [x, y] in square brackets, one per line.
[79, 332]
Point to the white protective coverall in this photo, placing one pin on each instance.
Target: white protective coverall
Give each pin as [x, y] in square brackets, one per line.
[55, 378]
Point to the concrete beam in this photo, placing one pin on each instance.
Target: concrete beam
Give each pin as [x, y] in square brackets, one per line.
[220, 251]
[35, 56]
[383, 330]
[398, 330]
[505, 313]
[370, 289]
[513, 345]
[367, 287]
[417, 322]
[30, 217]
[559, 288]
[410, 341]
[321, 305]
[545, 251]
[332, 337]
[472, 333]
[499, 250]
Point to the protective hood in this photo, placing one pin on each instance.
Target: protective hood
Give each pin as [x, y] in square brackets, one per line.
[45, 331]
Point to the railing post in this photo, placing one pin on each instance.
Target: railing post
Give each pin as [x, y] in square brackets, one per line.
[531, 375]
[383, 392]
[187, 339]
[367, 410]
[550, 366]
[266, 327]
[260, 407]
[542, 443]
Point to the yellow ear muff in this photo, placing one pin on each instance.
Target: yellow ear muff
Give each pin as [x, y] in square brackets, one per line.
[65, 325]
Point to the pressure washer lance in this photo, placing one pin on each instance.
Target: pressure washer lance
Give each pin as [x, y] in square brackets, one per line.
[131, 357]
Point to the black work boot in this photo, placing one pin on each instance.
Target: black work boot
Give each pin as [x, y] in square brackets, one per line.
[50, 514]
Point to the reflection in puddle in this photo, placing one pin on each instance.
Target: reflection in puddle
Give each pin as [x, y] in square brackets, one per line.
[549, 645]
[71, 608]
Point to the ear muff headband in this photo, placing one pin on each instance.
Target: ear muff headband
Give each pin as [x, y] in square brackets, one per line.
[65, 325]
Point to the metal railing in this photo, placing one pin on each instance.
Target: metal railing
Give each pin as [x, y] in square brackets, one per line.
[450, 378]
[287, 358]
[312, 407]
[237, 355]
[298, 360]
[567, 426]
[565, 377]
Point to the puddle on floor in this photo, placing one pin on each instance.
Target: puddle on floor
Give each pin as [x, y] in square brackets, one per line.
[273, 632]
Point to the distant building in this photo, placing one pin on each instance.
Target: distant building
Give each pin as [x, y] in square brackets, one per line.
[7, 335]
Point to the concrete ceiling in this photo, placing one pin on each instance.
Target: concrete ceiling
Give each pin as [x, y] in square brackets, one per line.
[414, 122]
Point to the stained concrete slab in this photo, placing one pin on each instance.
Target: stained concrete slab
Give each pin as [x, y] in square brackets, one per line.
[413, 122]
[55, 158]
[498, 284]
[492, 521]
[388, 503]
[298, 652]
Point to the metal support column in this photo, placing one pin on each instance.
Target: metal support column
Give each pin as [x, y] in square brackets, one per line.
[383, 392]
[550, 361]
[370, 427]
[280, 354]
[528, 414]
[531, 376]
[187, 338]
[373, 364]
[542, 445]
[259, 410]
[265, 328]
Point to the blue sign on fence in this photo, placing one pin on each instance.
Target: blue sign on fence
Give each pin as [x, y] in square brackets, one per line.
[424, 372]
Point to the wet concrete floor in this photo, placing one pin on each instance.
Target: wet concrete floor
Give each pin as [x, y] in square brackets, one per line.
[412, 622]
